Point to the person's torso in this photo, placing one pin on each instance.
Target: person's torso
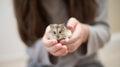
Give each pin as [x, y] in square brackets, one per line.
[56, 10]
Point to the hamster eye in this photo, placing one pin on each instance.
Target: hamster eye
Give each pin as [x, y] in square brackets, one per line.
[60, 31]
[54, 32]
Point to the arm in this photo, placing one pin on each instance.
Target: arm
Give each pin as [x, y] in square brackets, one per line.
[99, 33]
[87, 39]
[38, 55]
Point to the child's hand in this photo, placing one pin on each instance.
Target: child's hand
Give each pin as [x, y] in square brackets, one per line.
[79, 35]
[52, 46]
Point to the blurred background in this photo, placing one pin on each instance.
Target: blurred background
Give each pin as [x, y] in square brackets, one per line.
[13, 51]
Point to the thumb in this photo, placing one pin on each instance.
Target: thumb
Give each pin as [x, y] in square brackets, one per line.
[72, 22]
[46, 32]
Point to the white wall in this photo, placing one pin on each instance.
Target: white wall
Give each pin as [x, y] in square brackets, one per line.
[114, 15]
[11, 46]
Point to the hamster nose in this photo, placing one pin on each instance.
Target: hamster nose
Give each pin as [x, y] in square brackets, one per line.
[57, 36]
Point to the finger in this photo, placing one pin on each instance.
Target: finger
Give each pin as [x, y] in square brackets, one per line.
[47, 32]
[72, 47]
[76, 34]
[54, 48]
[72, 22]
[62, 52]
[63, 42]
[48, 43]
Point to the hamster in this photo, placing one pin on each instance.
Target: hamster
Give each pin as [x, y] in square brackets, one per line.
[59, 32]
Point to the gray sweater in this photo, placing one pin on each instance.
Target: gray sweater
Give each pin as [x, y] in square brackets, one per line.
[99, 34]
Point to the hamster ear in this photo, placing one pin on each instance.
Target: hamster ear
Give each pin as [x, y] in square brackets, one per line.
[62, 25]
[51, 26]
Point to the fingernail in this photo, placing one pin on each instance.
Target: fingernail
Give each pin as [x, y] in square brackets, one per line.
[63, 42]
[54, 41]
[64, 46]
[58, 46]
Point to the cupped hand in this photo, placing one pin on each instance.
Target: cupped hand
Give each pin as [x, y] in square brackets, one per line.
[52, 46]
[80, 34]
